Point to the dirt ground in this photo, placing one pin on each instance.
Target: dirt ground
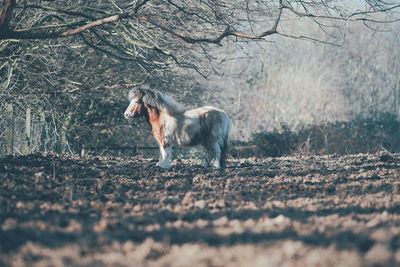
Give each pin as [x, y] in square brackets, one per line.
[288, 211]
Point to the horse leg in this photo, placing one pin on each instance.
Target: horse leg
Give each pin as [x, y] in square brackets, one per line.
[214, 155]
[209, 147]
[206, 161]
[217, 155]
[224, 150]
[165, 157]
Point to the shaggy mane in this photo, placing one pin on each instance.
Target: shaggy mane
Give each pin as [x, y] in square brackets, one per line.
[162, 102]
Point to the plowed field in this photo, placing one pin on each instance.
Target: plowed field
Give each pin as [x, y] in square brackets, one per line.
[293, 211]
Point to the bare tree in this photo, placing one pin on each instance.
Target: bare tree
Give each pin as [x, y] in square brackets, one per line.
[163, 28]
[79, 56]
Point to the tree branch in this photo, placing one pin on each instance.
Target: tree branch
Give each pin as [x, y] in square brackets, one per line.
[6, 14]
[6, 33]
[140, 5]
[348, 18]
[62, 11]
[25, 34]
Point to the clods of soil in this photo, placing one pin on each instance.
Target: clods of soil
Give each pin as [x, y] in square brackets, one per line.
[293, 211]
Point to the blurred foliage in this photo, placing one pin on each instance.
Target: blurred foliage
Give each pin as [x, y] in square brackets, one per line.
[294, 83]
[364, 135]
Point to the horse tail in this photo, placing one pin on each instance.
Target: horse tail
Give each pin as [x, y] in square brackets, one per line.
[225, 145]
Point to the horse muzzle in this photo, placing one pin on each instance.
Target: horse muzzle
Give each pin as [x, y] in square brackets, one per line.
[129, 115]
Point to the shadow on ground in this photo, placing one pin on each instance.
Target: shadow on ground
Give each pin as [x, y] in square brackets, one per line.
[292, 210]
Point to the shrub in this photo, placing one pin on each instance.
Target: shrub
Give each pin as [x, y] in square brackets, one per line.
[358, 136]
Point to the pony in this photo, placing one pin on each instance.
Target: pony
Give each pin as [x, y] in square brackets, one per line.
[173, 123]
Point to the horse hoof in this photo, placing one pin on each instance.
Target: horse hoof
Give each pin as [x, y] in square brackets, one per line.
[216, 166]
[205, 163]
[163, 165]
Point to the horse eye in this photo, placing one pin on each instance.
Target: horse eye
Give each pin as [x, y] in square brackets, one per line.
[138, 102]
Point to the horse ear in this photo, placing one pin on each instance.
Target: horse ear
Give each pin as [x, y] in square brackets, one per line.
[131, 94]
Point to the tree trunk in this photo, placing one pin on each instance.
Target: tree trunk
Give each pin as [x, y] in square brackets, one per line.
[6, 11]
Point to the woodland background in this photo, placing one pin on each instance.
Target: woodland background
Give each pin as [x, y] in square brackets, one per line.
[295, 76]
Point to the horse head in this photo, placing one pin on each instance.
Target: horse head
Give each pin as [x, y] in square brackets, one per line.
[136, 106]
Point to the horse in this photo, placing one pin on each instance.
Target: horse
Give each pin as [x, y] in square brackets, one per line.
[172, 123]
